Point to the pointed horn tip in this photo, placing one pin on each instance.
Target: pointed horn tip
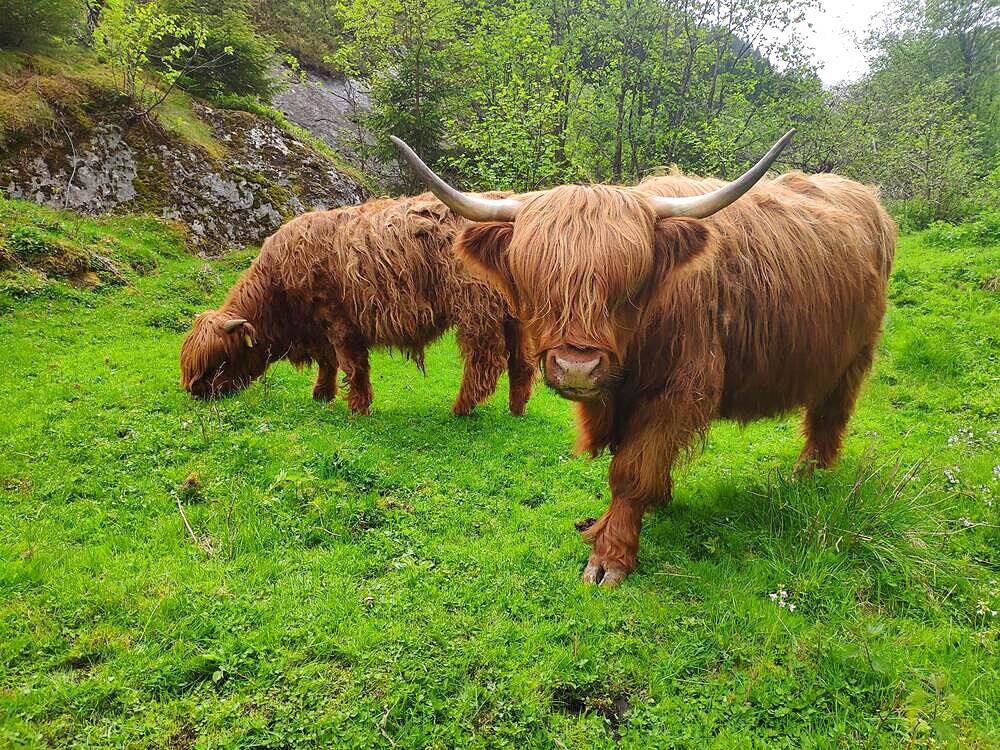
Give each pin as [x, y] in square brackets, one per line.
[469, 205]
[231, 325]
[403, 147]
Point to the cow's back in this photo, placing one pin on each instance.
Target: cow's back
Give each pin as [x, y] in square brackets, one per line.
[386, 265]
[802, 266]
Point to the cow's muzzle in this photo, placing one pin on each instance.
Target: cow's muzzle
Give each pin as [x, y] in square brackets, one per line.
[575, 373]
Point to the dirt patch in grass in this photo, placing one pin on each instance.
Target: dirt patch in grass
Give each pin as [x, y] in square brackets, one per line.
[613, 708]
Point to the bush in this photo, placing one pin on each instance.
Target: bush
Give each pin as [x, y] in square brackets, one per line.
[135, 37]
[308, 29]
[29, 243]
[25, 24]
[235, 58]
[984, 231]
[912, 215]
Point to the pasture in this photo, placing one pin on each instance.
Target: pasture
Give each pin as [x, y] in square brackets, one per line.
[266, 571]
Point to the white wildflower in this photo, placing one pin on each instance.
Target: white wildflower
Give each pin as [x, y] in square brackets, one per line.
[780, 597]
[983, 608]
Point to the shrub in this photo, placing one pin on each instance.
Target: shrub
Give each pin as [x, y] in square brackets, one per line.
[135, 38]
[984, 231]
[912, 215]
[25, 24]
[29, 243]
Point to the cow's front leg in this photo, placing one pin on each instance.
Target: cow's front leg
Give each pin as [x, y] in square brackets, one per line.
[640, 480]
[615, 540]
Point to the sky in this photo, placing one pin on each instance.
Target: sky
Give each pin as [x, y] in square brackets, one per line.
[834, 27]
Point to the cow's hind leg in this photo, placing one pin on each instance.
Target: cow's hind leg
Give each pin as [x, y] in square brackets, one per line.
[520, 368]
[352, 357]
[326, 380]
[825, 423]
[483, 355]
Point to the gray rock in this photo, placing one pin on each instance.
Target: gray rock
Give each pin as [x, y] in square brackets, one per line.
[333, 110]
[266, 176]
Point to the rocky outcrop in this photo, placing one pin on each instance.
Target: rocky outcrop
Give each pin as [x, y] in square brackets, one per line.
[231, 196]
[333, 110]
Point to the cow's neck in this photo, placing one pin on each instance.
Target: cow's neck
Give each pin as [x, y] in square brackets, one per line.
[260, 302]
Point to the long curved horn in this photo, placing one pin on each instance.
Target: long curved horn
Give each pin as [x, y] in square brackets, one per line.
[702, 206]
[470, 206]
[231, 325]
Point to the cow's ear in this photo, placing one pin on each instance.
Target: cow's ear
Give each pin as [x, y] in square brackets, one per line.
[681, 244]
[483, 247]
[243, 331]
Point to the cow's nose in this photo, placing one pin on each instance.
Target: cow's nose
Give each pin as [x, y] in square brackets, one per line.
[577, 370]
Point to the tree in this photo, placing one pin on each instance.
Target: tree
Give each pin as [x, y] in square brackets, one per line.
[403, 48]
[235, 58]
[128, 36]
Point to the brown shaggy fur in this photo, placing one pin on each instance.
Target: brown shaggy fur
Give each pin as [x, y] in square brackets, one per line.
[773, 303]
[329, 285]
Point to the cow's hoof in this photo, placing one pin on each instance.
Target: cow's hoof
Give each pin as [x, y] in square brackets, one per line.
[597, 573]
[806, 466]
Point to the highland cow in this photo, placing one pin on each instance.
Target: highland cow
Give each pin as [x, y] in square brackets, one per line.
[663, 307]
[330, 285]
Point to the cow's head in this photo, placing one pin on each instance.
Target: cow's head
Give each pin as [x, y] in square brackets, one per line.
[578, 263]
[220, 355]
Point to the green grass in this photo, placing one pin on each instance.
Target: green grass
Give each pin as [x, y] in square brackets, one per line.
[412, 580]
[178, 118]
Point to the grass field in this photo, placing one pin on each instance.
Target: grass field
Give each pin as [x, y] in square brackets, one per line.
[412, 580]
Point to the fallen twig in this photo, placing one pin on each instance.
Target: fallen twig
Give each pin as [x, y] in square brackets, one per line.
[194, 537]
[205, 545]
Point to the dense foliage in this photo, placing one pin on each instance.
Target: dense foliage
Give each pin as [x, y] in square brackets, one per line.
[523, 93]
[25, 24]
[235, 59]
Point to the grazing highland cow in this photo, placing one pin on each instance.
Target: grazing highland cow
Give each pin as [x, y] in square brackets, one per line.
[658, 309]
[329, 285]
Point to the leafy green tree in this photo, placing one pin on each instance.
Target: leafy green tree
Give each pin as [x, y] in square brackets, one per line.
[510, 106]
[308, 29]
[404, 50]
[128, 37]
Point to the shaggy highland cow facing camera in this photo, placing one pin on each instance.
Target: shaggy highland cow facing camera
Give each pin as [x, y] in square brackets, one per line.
[329, 285]
[663, 307]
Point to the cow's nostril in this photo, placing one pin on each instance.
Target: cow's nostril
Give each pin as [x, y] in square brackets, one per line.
[593, 365]
[562, 366]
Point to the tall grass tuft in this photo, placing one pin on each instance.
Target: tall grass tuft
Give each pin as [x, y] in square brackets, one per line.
[886, 528]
